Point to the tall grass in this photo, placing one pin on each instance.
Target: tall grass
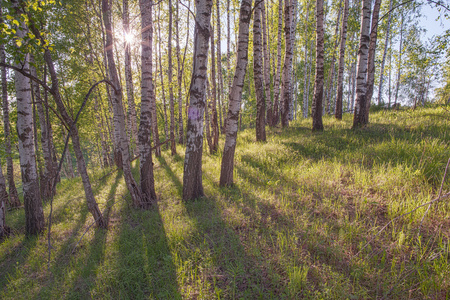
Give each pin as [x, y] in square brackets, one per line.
[302, 207]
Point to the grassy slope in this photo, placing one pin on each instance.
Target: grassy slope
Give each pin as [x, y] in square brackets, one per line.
[303, 205]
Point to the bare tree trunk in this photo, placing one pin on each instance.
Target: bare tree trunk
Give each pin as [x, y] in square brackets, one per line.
[101, 125]
[129, 79]
[371, 59]
[340, 92]
[46, 182]
[34, 214]
[13, 196]
[286, 77]
[192, 176]
[316, 108]
[309, 78]
[234, 103]
[333, 61]
[147, 97]
[399, 62]
[266, 52]
[4, 230]
[173, 147]
[305, 74]
[214, 124]
[386, 43]
[258, 76]
[179, 77]
[119, 118]
[276, 88]
[166, 131]
[207, 119]
[359, 118]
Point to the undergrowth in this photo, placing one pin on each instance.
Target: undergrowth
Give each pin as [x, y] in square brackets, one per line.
[293, 226]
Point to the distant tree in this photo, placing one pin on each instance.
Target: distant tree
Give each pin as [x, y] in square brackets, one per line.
[316, 109]
[340, 92]
[3, 200]
[276, 88]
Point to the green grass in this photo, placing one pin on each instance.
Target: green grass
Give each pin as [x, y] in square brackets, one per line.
[303, 205]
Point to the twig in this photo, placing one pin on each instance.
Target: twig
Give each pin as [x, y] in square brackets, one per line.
[405, 214]
[439, 196]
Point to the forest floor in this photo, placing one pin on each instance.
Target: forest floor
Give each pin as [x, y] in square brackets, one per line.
[301, 221]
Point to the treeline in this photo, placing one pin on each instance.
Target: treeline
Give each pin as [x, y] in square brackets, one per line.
[124, 78]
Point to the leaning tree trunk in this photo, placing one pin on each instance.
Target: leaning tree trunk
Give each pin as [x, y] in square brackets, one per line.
[173, 147]
[383, 61]
[258, 76]
[129, 79]
[119, 118]
[13, 196]
[316, 107]
[276, 88]
[340, 92]
[371, 58]
[147, 97]
[286, 95]
[192, 176]
[234, 103]
[359, 118]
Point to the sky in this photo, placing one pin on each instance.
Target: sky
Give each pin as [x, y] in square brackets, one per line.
[430, 22]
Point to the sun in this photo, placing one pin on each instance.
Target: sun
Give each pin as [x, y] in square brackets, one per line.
[128, 37]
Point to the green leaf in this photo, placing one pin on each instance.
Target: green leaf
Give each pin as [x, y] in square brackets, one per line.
[15, 22]
[19, 43]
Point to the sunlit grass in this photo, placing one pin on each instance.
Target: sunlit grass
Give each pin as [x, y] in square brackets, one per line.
[302, 207]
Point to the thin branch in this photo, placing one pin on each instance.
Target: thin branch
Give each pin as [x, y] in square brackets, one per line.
[405, 214]
[439, 195]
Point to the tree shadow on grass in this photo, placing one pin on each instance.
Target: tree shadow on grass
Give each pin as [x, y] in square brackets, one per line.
[172, 174]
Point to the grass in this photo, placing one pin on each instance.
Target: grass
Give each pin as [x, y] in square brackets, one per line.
[302, 207]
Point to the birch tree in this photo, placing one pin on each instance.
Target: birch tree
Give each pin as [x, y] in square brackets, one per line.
[119, 117]
[340, 92]
[4, 231]
[276, 87]
[371, 57]
[34, 214]
[13, 196]
[132, 126]
[192, 175]
[173, 147]
[316, 108]
[383, 61]
[359, 118]
[258, 75]
[286, 91]
[234, 103]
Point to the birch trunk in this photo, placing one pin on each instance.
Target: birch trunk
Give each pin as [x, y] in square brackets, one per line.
[214, 124]
[207, 119]
[147, 97]
[286, 95]
[316, 108]
[305, 74]
[258, 76]
[192, 176]
[34, 214]
[234, 103]
[359, 118]
[266, 53]
[397, 86]
[166, 130]
[49, 172]
[383, 61]
[4, 230]
[340, 83]
[333, 61]
[276, 88]
[220, 99]
[13, 196]
[371, 58]
[129, 79]
[179, 78]
[173, 147]
[119, 118]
